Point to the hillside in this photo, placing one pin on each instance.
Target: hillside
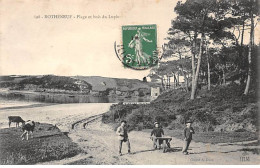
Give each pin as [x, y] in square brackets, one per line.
[223, 109]
[102, 83]
[77, 84]
[40, 83]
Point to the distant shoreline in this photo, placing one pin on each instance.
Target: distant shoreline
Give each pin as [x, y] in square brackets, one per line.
[65, 98]
[28, 106]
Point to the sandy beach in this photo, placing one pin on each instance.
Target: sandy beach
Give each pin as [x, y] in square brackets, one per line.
[61, 115]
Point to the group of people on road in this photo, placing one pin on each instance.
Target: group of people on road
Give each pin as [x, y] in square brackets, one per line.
[156, 133]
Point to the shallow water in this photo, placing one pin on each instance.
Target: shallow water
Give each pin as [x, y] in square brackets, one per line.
[66, 98]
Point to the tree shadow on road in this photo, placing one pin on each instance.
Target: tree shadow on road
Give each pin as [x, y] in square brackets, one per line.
[246, 150]
[195, 153]
[175, 149]
[142, 151]
[214, 152]
[169, 150]
[253, 151]
[256, 143]
[46, 136]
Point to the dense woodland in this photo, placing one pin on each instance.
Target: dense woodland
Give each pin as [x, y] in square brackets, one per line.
[213, 44]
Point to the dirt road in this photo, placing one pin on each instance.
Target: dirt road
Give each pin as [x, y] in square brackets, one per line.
[101, 145]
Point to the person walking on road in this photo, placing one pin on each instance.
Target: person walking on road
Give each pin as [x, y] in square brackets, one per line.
[123, 137]
[188, 131]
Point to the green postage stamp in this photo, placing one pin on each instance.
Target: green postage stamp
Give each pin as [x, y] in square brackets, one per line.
[140, 46]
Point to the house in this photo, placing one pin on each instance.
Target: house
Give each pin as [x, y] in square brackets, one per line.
[155, 92]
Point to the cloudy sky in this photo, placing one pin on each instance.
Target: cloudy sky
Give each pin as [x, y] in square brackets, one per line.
[36, 46]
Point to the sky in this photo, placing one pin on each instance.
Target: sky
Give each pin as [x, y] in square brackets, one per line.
[39, 46]
[76, 46]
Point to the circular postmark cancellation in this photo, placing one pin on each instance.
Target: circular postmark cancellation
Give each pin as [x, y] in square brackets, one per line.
[139, 46]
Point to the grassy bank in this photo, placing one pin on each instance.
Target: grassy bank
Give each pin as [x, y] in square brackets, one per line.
[224, 109]
[48, 143]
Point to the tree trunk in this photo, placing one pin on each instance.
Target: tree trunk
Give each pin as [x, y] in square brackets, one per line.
[208, 68]
[178, 72]
[241, 50]
[209, 76]
[175, 80]
[167, 82]
[186, 80]
[163, 84]
[223, 76]
[119, 116]
[178, 80]
[193, 90]
[243, 30]
[250, 53]
[193, 66]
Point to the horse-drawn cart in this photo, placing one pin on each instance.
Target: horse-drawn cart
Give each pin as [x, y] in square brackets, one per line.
[164, 141]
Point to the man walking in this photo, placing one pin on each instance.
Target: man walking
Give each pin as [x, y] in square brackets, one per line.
[188, 131]
[123, 137]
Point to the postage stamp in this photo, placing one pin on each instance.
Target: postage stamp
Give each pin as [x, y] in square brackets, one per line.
[139, 46]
